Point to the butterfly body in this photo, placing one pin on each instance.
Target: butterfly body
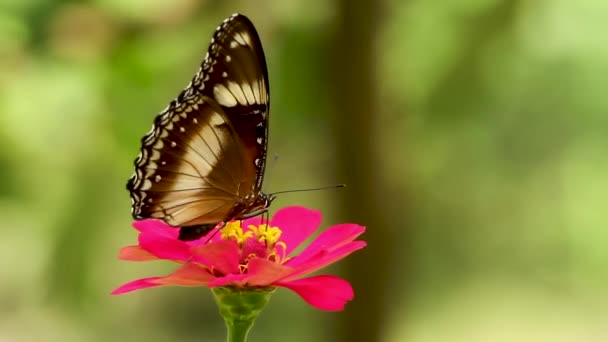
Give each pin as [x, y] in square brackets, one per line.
[251, 205]
[203, 161]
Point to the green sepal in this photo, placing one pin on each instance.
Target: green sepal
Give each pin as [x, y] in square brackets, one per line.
[239, 307]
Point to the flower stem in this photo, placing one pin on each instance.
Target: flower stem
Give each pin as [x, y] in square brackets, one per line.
[239, 307]
[238, 330]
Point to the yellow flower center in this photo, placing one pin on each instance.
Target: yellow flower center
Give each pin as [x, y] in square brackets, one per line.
[263, 234]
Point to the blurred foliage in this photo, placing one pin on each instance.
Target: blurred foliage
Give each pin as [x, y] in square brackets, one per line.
[492, 130]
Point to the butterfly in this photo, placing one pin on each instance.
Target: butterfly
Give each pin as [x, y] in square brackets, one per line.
[203, 161]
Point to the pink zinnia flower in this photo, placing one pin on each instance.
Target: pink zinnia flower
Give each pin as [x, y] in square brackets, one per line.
[252, 254]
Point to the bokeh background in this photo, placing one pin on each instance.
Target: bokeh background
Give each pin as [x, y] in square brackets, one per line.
[472, 135]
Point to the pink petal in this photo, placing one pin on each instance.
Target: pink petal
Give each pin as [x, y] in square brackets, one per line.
[260, 272]
[253, 221]
[153, 229]
[135, 253]
[297, 224]
[156, 228]
[189, 274]
[263, 272]
[324, 258]
[253, 247]
[330, 239]
[137, 285]
[324, 292]
[214, 235]
[169, 248]
[222, 256]
[230, 279]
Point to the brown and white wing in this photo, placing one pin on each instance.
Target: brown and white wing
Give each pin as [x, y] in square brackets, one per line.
[207, 150]
[190, 167]
[235, 74]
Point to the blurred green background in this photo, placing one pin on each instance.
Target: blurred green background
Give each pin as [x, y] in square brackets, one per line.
[472, 135]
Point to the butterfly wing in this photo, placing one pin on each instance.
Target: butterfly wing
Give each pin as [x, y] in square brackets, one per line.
[190, 169]
[207, 150]
[234, 73]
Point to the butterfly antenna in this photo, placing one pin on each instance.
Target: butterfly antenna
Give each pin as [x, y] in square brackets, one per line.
[311, 189]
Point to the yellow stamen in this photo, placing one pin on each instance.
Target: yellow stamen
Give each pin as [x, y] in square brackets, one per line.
[281, 258]
[264, 233]
[234, 230]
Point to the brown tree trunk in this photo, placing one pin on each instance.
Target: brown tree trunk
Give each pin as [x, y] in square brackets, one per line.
[354, 116]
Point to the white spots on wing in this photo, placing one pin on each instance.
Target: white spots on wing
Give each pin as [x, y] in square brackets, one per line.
[157, 178]
[224, 74]
[243, 38]
[238, 92]
[182, 129]
[248, 91]
[234, 44]
[173, 144]
[257, 162]
[158, 145]
[228, 59]
[155, 155]
[216, 119]
[143, 196]
[195, 120]
[256, 92]
[264, 92]
[223, 96]
[147, 184]
[259, 140]
[260, 124]
[231, 93]
[149, 170]
[163, 163]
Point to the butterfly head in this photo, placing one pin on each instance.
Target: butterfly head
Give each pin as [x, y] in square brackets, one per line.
[269, 199]
[259, 202]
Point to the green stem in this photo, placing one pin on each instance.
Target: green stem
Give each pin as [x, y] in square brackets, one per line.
[239, 307]
[238, 330]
